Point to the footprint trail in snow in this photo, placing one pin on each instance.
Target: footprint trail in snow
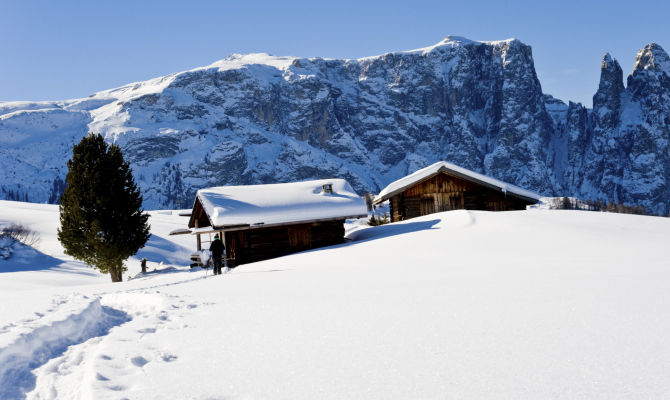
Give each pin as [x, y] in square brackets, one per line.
[96, 352]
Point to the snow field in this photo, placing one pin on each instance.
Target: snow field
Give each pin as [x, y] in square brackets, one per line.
[570, 310]
[527, 304]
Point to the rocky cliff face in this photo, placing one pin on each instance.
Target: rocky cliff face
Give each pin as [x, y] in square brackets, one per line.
[258, 119]
[628, 156]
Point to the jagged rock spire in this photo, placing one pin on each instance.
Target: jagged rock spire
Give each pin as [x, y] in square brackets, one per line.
[652, 58]
[611, 79]
[607, 99]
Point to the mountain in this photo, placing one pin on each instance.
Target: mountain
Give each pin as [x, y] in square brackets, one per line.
[258, 118]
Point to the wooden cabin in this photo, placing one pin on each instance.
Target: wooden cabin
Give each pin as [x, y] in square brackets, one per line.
[258, 222]
[444, 186]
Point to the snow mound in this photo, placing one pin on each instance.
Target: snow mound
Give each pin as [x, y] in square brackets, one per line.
[238, 61]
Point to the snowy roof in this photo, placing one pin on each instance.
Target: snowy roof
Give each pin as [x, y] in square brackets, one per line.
[280, 203]
[443, 166]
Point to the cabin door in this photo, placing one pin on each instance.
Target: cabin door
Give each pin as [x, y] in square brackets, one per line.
[299, 237]
[427, 205]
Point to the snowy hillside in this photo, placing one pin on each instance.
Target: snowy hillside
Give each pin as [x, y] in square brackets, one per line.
[528, 304]
[258, 118]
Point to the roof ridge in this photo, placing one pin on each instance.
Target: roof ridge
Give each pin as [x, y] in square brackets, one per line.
[464, 173]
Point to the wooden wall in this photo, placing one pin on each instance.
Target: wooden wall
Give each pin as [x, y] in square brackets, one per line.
[445, 192]
[198, 216]
[258, 244]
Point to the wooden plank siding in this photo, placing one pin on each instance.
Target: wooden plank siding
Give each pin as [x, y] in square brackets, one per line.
[245, 246]
[444, 192]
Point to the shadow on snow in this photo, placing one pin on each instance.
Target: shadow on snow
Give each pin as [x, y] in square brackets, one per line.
[27, 258]
[366, 235]
[159, 250]
[384, 231]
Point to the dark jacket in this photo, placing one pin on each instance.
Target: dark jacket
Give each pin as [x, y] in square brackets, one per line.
[217, 248]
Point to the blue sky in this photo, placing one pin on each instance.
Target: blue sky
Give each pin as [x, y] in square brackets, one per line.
[66, 49]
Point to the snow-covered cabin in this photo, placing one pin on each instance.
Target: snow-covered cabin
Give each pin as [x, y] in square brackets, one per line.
[258, 222]
[444, 186]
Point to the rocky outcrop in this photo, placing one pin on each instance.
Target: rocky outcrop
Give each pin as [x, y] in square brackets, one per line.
[258, 119]
[628, 157]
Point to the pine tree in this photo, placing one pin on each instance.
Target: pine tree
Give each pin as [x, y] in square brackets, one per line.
[101, 216]
[567, 204]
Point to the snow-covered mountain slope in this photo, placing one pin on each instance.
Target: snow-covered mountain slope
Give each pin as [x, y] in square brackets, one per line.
[258, 118]
[524, 304]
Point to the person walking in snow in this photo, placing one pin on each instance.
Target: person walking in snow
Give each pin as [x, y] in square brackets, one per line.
[217, 248]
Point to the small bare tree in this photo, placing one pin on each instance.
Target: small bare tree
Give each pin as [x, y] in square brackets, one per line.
[21, 233]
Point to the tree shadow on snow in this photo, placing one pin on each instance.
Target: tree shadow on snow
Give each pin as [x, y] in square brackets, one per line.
[27, 258]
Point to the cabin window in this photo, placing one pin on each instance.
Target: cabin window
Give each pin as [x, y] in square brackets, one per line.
[327, 188]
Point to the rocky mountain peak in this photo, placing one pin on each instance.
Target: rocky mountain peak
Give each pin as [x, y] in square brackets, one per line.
[650, 80]
[611, 77]
[608, 97]
[608, 61]
[652, 58]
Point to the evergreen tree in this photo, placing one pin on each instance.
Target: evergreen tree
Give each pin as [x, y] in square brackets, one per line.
[567, 204]
[101, 216]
